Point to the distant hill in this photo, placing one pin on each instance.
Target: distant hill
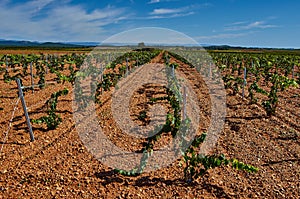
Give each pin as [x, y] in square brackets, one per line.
[60, 45]
[85, 43]
[227, 47]
[16, 44]
[13, 43]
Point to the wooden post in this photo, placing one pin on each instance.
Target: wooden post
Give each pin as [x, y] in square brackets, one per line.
[21, 96]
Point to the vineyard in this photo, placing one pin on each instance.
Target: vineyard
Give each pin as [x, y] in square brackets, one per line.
[256, 154]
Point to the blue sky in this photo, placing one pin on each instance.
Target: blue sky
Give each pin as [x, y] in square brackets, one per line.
[262, 23]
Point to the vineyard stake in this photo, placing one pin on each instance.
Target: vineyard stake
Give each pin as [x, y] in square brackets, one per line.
[21, 96]
[126, 73]
[293, 72]
[244, 84]
[46, 67]
[184, 102]
[101, 77]
[108, 57]
[173, 71]
[210, 73]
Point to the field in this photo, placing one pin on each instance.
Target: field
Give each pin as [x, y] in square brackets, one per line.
[256, 155]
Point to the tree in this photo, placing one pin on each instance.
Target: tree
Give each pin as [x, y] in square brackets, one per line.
[141, 44]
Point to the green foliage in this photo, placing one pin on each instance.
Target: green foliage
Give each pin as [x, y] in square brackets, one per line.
[143, 56]
[255, 87]
[55, 64]
[40, 70]
[82, 99]
[142, 115]
[196, 165]
[110, 79]
[53, 119]
[279, 83]
[268, 70]
[7, 78]
[180, 58]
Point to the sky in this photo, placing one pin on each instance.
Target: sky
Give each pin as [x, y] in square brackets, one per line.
[249, 23]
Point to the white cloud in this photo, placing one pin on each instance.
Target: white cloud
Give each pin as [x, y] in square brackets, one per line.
[153, 1]
[162, 11]
[53, 20]
[159, 13]
[171, 16]
[159, 1]
[238, 23]
[247, 26]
